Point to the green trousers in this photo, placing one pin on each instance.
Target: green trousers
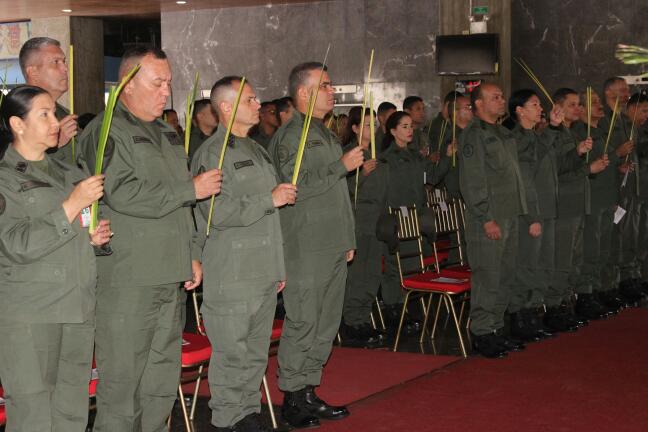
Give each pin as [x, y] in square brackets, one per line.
[626, 243]
[45, 370]
[493, 274]
[363, 280]
[238, 320]
[137, 349]
[567, 277]
[390, 285]
[528, 290]
[598, 266]
[546, 260]
[642, 252]
[313, 298]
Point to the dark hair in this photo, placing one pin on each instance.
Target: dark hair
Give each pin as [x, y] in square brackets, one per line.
[386, 106]
[133, 55]
[221, 85]
[518, 99]
[354, 120]
[409, 102]
[169, 111]
[200, 105]
[452, 96]
[17, 103]
[638, 98]
[85, 118]
[475, 95]
[392, 123]
[610, 82]
[283, 105]
[30, 47]
[561, 94]
[299, 75]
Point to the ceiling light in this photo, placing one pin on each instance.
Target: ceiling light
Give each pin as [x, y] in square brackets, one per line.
[66, 10]
[181, 2]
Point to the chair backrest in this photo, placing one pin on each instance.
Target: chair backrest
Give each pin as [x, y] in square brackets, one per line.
[408, 234]
[448, 221]
[435, 195]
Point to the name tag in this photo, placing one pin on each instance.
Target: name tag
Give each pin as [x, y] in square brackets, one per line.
[314, 143]
[243, 164]
[84, 217]
[141, 139]
[173, 138]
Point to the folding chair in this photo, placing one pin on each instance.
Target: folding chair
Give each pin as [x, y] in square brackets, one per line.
[417, 279]
[277, 328]
[448, 224]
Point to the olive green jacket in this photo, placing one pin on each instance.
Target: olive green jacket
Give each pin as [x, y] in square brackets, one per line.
[433, 132]
[148, 193]
[620, 134]
[451, 178]
[48, 265]
[489, 176]
[642, 155]
[574, 195]
[419, 141]
[372, 194]
[245, 242]
[196, 139]
[322, 217]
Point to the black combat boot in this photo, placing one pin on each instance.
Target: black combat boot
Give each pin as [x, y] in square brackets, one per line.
[523, 327]
[295, 413]
[362, 336]
[630, 291]
[250, 423]
[557, 320]
[510, 343]
[392, 315]
[321, 409]
[588, 308]
[609, 300]
[488, 346]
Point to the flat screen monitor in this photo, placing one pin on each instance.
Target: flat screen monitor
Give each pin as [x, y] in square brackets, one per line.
[476, 54]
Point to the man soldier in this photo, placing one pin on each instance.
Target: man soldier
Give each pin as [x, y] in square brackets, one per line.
[433, 130]
[205, 121]
[414, 106]
[385, 109]
[319, 241]
[573, 205]
[284, 109]
[267, 126]
[148, 193]
[170, 116]
[492, 188]
[43, 64]
[243, 260]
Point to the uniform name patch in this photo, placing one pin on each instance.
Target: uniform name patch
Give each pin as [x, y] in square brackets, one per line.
[243, 164]
[173, 138]
[33, 184]
[141, 139]
[314, 143]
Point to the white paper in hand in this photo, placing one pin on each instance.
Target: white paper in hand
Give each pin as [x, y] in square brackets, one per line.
[618, 214]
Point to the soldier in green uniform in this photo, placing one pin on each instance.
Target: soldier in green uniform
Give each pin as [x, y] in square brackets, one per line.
[243, 260]
[148, 197]
[43, 64]
[536, 234]
[385, 109]
[409, 172]
[267, 126]
[433, 131]
[365, 271]
[205, 121]
[319, 241]
[415, 108]
[493, 191]
[47, 294]
[284, 109]
[642, 155]
[573, 205]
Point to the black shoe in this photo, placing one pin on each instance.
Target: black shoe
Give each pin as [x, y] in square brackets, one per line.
[392, 315]
[643, 287]
[294, 411]
[250, 423]
[321, 409]
[511, 344]
[556, 320]
[488, 346]
[363, 336]
[524, 327]
[589, 308]
[609, 300]
[630, 291]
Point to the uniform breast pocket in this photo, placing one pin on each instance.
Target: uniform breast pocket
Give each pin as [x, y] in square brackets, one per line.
[38, 272]
[249, 180]
[252, 258]
[41, 199]
[495, 153]
[150, 162]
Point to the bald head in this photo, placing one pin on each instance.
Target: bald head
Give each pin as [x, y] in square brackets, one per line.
[488, 102]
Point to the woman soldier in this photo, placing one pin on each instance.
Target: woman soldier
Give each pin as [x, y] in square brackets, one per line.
[47, 290]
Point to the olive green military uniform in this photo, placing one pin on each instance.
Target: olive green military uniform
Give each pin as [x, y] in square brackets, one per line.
[419, 141]
[409, 172]
[642, 156]
[242, 263]
[598, 267]
[492, 188]
[47, 298]
[573, 205]
[318, 231]
[365, 271]
[433, 132]
[196, 139]
[62, 153]
[535, 256]
[380, 137]
[148, 193]
[261, 137]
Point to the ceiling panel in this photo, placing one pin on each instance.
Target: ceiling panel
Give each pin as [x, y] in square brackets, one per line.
[14, 10]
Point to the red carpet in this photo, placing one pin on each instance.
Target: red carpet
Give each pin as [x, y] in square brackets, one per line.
[353, 374]
[593, 380]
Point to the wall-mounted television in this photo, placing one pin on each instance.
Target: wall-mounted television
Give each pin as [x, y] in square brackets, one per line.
[476, 54]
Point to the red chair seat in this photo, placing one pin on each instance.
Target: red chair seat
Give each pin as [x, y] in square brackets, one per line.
[277, 327]
[94, 380]
[435, 282]
[459, 272]
[430, 261]
[3, 416]
[195, 349]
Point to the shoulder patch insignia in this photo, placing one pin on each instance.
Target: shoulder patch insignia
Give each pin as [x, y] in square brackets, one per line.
[468, 150]
[21, 167]
[283, 154]
[3, 204]
[243, 164]
[141, 139]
